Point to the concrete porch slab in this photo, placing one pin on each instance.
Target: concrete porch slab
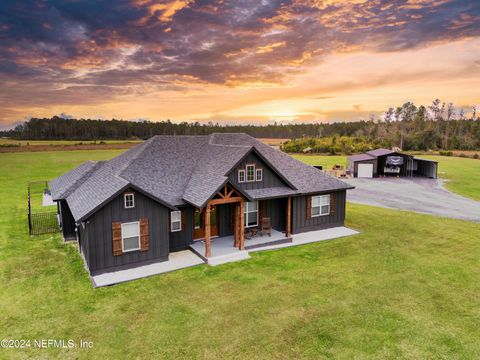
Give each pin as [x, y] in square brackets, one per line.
[176, 260]
[223, 250]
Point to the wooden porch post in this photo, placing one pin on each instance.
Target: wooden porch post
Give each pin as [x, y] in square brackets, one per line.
[288, 230]
[208, 250]
[242, 225]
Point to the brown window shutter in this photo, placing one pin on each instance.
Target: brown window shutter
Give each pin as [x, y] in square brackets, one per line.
[332, 203]
[309, 207]
[182, 217]
[117, 238]
[144, 239]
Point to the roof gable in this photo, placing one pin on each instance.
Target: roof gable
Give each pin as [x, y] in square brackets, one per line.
[271, 176]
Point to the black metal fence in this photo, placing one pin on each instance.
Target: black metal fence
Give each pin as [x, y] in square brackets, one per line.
[40, 220]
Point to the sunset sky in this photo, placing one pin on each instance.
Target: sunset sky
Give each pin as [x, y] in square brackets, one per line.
[234, 61]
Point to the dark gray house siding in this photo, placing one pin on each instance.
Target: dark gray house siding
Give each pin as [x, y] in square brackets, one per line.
[300, 223]
[225, 220]
[276, 210]
[180, 240]
[67, 222]
[270, 178]
[96, 237]
[83, 243]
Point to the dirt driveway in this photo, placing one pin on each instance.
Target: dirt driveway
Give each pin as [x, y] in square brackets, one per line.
[415, 194]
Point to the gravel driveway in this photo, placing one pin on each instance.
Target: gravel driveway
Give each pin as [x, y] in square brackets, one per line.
[415, 194]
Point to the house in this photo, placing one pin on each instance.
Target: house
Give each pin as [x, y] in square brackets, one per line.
[382, 162]
[172, 192]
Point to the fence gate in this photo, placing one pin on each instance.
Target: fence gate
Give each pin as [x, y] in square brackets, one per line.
[42, 212]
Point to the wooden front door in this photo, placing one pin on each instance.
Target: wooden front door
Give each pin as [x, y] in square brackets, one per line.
[199, 223]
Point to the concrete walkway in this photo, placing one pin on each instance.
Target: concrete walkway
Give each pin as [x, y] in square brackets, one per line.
[311, 237]
[177, 260]
[224, 253]
[422, 195]
[47, 199]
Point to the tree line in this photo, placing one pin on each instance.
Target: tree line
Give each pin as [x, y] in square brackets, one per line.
[437, 126]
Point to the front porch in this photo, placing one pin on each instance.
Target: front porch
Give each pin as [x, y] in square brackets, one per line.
[244, 224]
[223, 249]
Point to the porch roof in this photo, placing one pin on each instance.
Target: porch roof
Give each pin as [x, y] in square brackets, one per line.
[268, 193]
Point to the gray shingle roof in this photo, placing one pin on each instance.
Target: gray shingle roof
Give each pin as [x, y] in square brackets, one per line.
[176, 170]
[66, 183]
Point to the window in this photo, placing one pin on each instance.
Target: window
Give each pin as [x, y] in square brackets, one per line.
[259, 174]
[250, 173]
[175, 221]
[130, 236]
[320, 205]
[241, 176]
[251, 214]
[129, 200]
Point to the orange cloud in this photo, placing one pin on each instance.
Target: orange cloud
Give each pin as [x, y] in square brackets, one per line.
[270, 47]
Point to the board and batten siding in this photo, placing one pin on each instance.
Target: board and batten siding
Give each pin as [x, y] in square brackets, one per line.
[67, 221]
[180, 240]
[97, 234]
[276, 210]
[300, 223]
[269, 178]
[225, 219]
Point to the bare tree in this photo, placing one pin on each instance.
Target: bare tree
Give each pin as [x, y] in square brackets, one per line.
[450, 110]
[474, 112]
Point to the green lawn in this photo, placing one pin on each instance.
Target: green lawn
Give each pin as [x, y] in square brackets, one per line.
[406, 287]
[8, 141]
[327, 161]
[462, 175]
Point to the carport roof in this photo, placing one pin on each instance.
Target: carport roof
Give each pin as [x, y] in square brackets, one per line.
[422, 159]
[380, 152]
[361, 157]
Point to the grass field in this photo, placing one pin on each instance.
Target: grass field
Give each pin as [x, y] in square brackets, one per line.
[462, 174]
[7, 141]
[406, 287]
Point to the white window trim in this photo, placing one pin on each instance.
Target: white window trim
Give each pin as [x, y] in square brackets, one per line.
[246, 172]
[138, 225]
[244, 176]
[245, 216]
[125, 200]
[179, 221]
[258, 171]
[321, 204]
